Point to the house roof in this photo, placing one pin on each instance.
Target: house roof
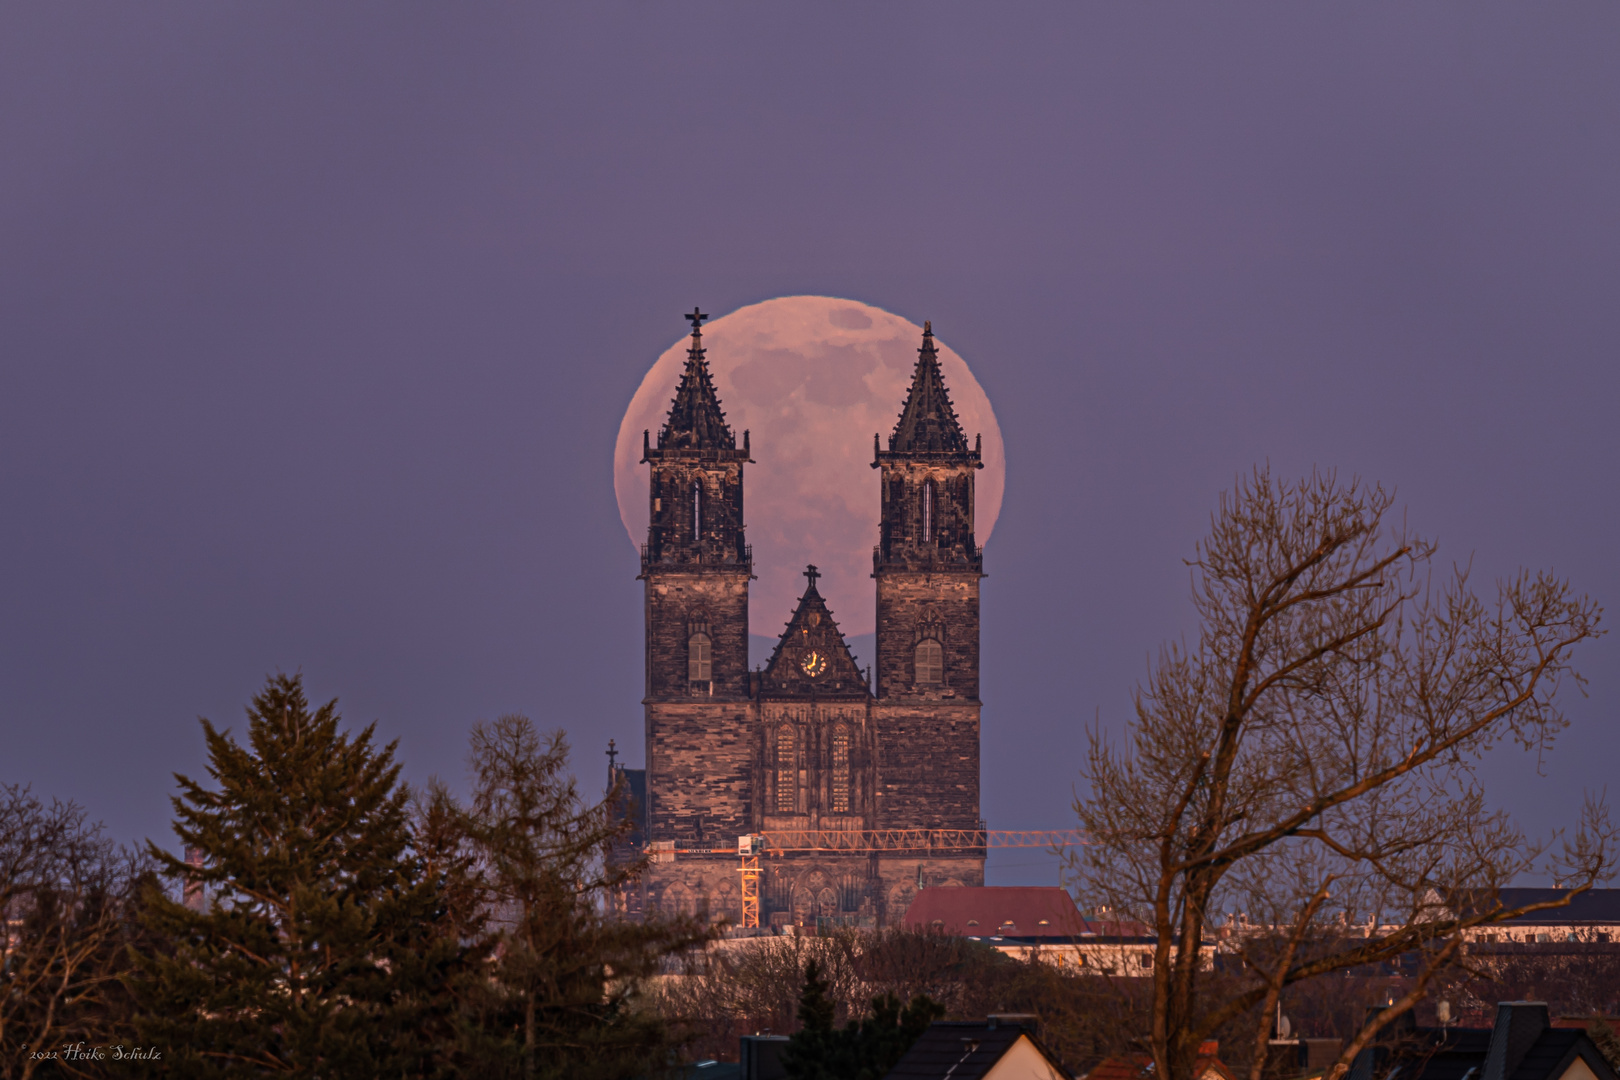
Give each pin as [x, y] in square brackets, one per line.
[1594, 905]
[1009, 911]
[1550, 1054]
[964, 1051]
[1140, 1067]
[1522, 1045]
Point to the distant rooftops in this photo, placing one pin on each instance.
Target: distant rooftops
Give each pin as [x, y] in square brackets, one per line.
[1010, 911]
[1522, 1045]
[1592, 906]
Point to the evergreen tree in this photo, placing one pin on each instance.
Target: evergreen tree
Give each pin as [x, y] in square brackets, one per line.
[812, 1051]
[559, 996]
[865, 1049]
[317, 951]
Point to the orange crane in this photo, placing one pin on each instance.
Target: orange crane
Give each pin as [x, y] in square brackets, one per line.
[752, 847]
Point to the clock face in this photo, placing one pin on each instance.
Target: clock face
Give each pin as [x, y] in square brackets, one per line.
[813, 664]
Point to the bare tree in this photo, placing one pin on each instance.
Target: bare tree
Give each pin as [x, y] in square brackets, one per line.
[65, 907]
[1309, 761]
[752, 985]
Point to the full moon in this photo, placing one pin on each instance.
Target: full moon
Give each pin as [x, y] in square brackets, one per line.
[812, 378]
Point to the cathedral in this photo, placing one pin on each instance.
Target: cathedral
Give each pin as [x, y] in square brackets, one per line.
[809, 741]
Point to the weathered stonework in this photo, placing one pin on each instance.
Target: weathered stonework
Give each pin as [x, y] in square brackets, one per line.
[914, 606]
[808, 743]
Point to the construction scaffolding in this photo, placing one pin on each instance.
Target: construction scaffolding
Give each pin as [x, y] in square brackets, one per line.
[749, 849]
[864, 842]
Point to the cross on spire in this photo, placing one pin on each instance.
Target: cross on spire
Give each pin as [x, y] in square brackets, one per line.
[696, 421]
[613, 763]
[812, 573]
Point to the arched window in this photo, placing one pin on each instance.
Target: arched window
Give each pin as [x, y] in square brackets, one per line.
[928, 511]
[840, 770]
[930, 663]
[699, 664]
[787, 779]
[697, 511]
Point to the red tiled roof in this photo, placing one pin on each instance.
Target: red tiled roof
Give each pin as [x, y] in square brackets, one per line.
[1009, 911]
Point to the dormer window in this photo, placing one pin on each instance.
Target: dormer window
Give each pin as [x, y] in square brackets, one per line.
[930, 663]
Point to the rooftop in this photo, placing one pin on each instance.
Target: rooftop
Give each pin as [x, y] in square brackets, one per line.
[1010, 911]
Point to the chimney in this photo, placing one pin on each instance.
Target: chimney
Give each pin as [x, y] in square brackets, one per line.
[1518, 1025]
[1028, 1021]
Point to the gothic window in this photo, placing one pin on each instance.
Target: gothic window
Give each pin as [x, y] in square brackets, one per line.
[928, 511]
[930, 663]
[697, 511]
[787, 787]
[699, 663]
[840, 770]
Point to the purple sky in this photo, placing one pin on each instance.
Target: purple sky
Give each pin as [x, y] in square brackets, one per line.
[317, 324]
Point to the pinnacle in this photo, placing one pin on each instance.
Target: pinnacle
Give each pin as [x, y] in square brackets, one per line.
[927, 422]
[696, 421]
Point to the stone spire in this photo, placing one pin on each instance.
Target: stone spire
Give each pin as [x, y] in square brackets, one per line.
[696, 421]
[928, 422]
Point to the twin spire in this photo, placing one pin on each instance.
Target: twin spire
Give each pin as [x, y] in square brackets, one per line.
[927, 423]
[696, 421]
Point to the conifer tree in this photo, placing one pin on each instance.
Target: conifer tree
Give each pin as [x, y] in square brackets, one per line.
[559, 996]
[866, 1049]
[316, 951]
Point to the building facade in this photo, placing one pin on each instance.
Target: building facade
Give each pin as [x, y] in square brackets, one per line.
[809, 740]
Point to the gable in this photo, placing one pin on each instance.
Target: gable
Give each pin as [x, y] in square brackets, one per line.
[1023, 1060]
[1578, 1070]
[952, 1050]
[812, 659]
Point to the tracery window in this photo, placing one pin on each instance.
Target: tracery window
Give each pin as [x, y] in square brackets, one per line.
[930, 659]
[928, 511]
[699, 658]
[840, 770]
[787, 787]
[697, 511]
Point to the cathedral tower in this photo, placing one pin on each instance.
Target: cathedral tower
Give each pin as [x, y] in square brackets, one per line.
[696, 565]
[928, 565]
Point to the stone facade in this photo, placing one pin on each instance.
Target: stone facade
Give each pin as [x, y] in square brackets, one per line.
[808, 743]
